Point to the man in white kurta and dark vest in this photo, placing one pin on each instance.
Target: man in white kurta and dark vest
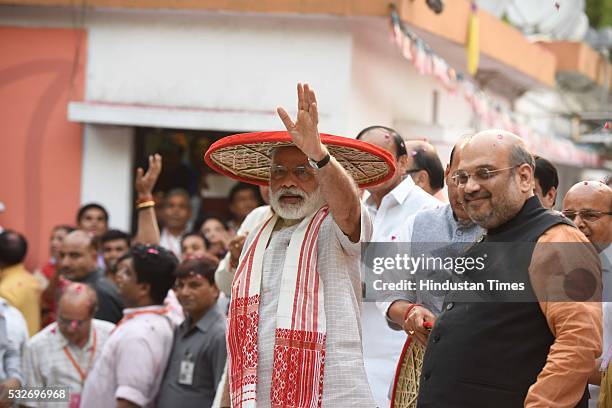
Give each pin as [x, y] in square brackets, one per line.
[294, 335]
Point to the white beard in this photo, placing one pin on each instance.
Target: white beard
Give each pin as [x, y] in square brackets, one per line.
[309, 204]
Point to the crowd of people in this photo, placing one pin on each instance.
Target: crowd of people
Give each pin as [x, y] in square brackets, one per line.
[266, 308]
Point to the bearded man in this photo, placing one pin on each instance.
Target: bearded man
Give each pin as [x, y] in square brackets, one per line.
[294, 323]
[531, 346]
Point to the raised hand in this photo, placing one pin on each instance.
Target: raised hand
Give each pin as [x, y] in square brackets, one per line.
[146, 181]
[304, 131]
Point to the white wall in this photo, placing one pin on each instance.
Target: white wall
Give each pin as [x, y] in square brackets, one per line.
[222, 62]
[106, 176]
[236, 69]
[387, 90]
[240, 65]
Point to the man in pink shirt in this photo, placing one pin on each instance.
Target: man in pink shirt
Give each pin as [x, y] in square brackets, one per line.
[130, 369]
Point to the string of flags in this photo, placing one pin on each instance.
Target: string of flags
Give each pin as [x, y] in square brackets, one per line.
[491, 113]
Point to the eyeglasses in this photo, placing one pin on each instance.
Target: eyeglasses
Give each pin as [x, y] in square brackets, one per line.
[586, 215]
[461, 177]
[70, 322]
[302, 173]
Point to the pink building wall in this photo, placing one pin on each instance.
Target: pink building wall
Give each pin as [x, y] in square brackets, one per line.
[41, 70]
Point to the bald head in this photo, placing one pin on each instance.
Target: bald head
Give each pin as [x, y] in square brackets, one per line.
[76, 307]
[500, 143]
[498, 172]
[391, 141]
[586, 189]
[79, 296]
[79, 237]
[385, 138]
[77, 256]
[587, 204]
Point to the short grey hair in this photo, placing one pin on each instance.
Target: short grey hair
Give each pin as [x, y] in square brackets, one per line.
[520, 155]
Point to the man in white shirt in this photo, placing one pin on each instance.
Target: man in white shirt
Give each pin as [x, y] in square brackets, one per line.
[13, 335]
[389, 204]
[426, 168]
[63, 352]
[131, 366]
[16, 325]
[177, 212]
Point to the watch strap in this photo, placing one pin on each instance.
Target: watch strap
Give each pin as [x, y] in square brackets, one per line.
[322, 162]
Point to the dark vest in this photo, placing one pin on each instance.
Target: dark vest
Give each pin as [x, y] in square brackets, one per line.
[488, 354]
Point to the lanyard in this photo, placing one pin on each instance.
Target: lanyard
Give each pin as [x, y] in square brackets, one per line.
[76, 365]
[140, 312]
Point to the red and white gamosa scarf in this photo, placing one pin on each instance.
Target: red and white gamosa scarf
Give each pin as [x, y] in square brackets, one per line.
[299, 348]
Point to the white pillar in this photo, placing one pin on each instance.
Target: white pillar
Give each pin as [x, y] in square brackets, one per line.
[107, 171]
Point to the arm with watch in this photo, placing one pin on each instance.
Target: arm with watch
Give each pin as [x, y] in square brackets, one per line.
[337, 186]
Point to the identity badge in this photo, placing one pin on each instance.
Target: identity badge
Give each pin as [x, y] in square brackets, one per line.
[186, 371]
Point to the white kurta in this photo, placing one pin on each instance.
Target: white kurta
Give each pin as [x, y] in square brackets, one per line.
[345, 383]
[382, 346]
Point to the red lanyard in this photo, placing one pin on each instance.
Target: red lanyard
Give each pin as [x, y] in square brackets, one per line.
[140, 312]
[76, 365]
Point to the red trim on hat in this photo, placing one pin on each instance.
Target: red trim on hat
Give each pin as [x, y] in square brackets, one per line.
[283, 136]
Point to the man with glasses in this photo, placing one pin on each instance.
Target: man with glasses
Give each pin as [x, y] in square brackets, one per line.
[62, 354]
[294, 334]
[523, 347]
[589, 205]
[389, 205]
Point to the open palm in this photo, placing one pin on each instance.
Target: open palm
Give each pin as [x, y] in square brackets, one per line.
[304, 131]
[145, 182]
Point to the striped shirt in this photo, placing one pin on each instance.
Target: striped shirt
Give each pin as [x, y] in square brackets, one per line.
[45, 363]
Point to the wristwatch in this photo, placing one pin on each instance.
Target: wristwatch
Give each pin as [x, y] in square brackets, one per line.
[320, 163]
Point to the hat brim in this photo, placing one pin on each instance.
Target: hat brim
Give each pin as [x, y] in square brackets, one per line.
[247, 157]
